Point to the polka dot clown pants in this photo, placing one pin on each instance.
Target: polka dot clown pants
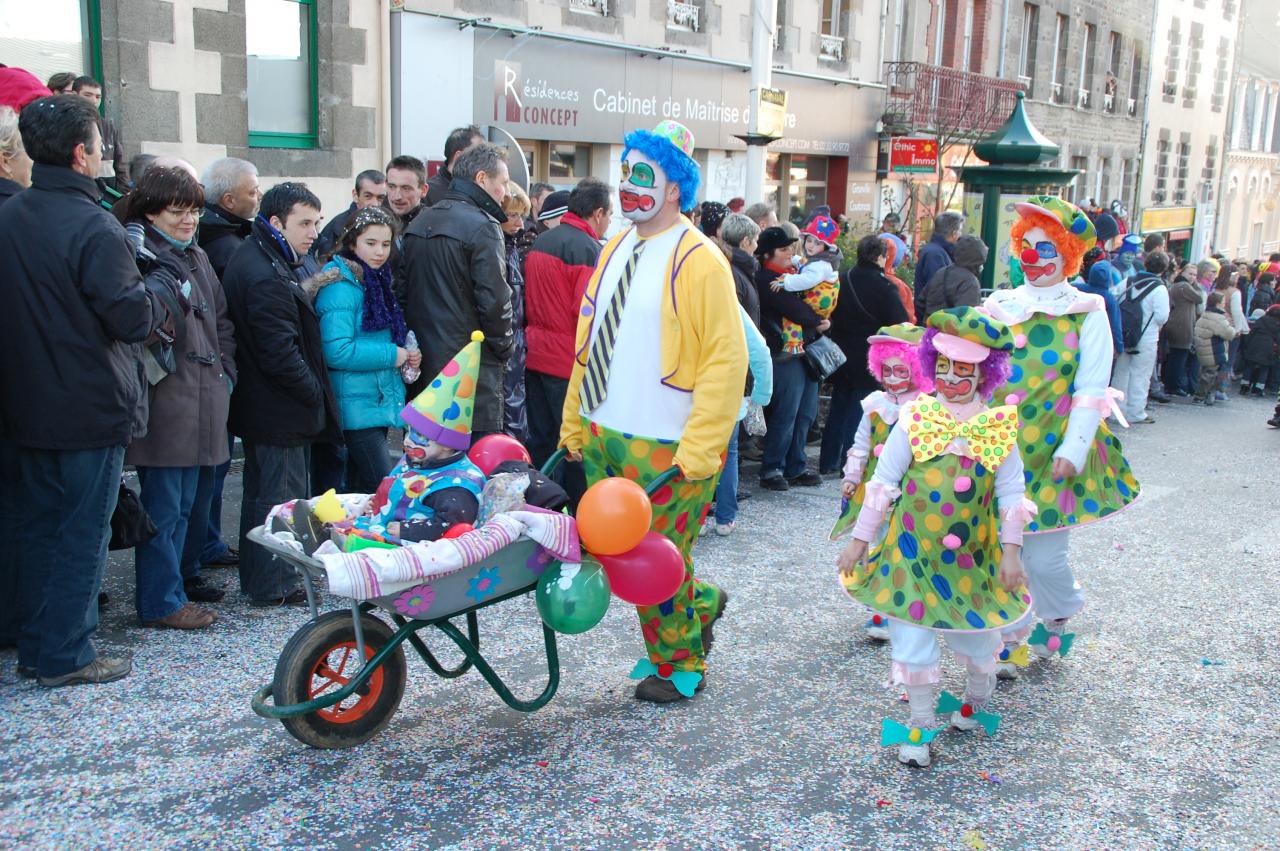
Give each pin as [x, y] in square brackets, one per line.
[672, 630]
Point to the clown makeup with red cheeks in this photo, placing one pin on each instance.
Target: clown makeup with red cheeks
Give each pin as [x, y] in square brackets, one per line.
[420, 450]
[955, 380]
[1040, 261]
[895, 376]
[643, 189]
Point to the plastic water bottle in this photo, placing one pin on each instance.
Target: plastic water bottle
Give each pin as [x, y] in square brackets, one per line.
[410, 373]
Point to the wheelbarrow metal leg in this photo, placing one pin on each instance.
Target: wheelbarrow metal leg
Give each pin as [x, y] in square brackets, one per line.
[416, 642]
[495, 682]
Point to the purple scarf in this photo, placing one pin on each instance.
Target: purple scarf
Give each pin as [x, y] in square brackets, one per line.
[381, 310]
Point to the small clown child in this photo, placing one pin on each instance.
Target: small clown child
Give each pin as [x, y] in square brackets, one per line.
[950, 478]
[1060, 372]
[894, 362]
[818, 278]
[435, 485]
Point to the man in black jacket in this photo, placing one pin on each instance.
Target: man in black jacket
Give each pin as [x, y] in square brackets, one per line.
[70, 386]
[282, 402]
[458, 141]
[370, 191]
[231, 198]
[455, 278]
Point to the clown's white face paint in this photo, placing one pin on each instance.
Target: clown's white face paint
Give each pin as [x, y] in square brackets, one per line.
[420, 450]
[957, 381]
[1040, 260]
[643, 190]
[895, 376]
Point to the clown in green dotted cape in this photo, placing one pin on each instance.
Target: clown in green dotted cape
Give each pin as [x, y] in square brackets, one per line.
[1061, 367]
[950, 478]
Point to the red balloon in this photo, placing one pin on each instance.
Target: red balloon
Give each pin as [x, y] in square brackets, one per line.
[650, 574]
[457, 530]
[491, 450]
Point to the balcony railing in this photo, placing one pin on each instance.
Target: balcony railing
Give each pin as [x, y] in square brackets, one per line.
[932, 98]
[682, 15]
[831, 47]
[591, 7]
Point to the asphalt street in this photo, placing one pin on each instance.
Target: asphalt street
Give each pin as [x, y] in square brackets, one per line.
[1158, 731]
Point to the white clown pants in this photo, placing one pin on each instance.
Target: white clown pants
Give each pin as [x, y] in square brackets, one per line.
[1133, 379]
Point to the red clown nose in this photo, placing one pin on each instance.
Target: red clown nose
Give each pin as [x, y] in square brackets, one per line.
[1030, 256]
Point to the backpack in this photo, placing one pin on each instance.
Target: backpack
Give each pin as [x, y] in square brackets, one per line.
[1131, 325]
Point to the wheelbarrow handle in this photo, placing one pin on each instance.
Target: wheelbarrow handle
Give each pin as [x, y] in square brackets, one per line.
[653, 487]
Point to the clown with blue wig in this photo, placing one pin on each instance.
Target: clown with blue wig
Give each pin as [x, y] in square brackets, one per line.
[657, 380]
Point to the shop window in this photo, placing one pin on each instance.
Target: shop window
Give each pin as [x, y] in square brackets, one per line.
[569, 161]
[280, 40]
[51, 36]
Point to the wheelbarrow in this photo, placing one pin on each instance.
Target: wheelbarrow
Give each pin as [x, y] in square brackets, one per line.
[341, 676]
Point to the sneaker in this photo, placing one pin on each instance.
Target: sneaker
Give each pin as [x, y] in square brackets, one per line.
[774, 483]
[1181, 394]
[1244, 389]
[1274, 422]
[1162, 398]
[877, 628]
[964, 724]
[724, 530]
[916, 756]
[189, 616]
[807, 479]
[707, 527]
[1006, 671]
[1219, 396]
[198, 591]
[1257, 391]
[296, 597]
[104, 669]
[1147, 420]
[230, 558]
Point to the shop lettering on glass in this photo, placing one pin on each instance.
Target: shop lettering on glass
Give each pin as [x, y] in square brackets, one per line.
[520, 101]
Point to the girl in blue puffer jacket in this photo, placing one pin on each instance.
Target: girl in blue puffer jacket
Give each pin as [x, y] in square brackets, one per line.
[364, 336]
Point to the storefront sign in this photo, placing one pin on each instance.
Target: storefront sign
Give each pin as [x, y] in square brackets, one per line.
[909, 155]
[1168, 218]
[773, 113]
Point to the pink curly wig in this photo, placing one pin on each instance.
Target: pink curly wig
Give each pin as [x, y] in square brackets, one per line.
[995, 368]
[880, 352]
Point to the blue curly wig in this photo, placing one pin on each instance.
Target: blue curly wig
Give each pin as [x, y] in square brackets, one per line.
[680, 168]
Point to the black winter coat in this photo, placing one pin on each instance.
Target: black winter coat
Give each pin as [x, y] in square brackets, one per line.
[776, 306]
[454, 282]
[74, 308]
[220, 235]
[8, 189]
[437, 187]
[1261, 346]
[282, 395]
[744, 268]
[867, 302]
[328, 238]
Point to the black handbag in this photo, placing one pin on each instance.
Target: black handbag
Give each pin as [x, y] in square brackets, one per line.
[130, 523]
[823, 357]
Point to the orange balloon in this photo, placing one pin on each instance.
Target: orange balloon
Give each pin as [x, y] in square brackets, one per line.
[613, 516]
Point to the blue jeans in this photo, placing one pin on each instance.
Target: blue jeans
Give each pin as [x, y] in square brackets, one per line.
[328, 467]
[368, 460]
[842, 424]
[790, 414]
[1176, 371]
[213, 546]
[168, 494]
[67, 499]
[727, 489]
[272, 475]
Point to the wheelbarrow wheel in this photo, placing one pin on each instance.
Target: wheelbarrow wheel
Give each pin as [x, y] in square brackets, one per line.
[322, 657]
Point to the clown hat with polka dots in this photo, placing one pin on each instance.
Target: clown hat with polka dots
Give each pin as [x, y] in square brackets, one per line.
[443, 411]
[1072, 218]
[967, 335]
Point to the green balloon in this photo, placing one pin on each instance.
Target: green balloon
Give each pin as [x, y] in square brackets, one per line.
[573, 598]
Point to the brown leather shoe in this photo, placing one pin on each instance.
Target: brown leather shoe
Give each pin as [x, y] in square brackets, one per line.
[189, 616]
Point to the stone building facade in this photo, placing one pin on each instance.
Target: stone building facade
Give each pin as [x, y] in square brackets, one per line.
[1084, 65]
[196, 79]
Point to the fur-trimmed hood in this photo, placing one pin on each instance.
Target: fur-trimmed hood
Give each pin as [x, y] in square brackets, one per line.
[332, 273]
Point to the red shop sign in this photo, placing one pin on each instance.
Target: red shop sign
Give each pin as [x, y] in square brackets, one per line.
[913, 155]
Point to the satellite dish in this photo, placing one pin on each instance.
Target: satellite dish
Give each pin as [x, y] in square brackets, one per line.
[517, 166]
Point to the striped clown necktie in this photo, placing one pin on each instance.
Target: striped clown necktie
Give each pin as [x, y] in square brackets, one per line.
[595, 382]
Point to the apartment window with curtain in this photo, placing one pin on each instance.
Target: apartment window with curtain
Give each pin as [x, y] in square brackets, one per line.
[280, 39]
[1111, 85]
[1061, 39]
[780, 25]
[1219, 99]
[1080, 183]
[1126, 182]
[900, 30]
[1135, 79]
[1084, 96]
[1182, 165]
[1172, 61]
[835, 18]
[967, 51]
[1027, 57]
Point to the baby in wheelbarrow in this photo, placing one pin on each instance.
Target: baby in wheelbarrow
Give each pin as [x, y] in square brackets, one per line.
[435, 491]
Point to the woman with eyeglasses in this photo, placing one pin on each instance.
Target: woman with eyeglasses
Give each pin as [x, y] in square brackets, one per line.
[190, 393]
[15, 165]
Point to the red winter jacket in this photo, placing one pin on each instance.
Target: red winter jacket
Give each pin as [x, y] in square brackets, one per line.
[555, 277]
